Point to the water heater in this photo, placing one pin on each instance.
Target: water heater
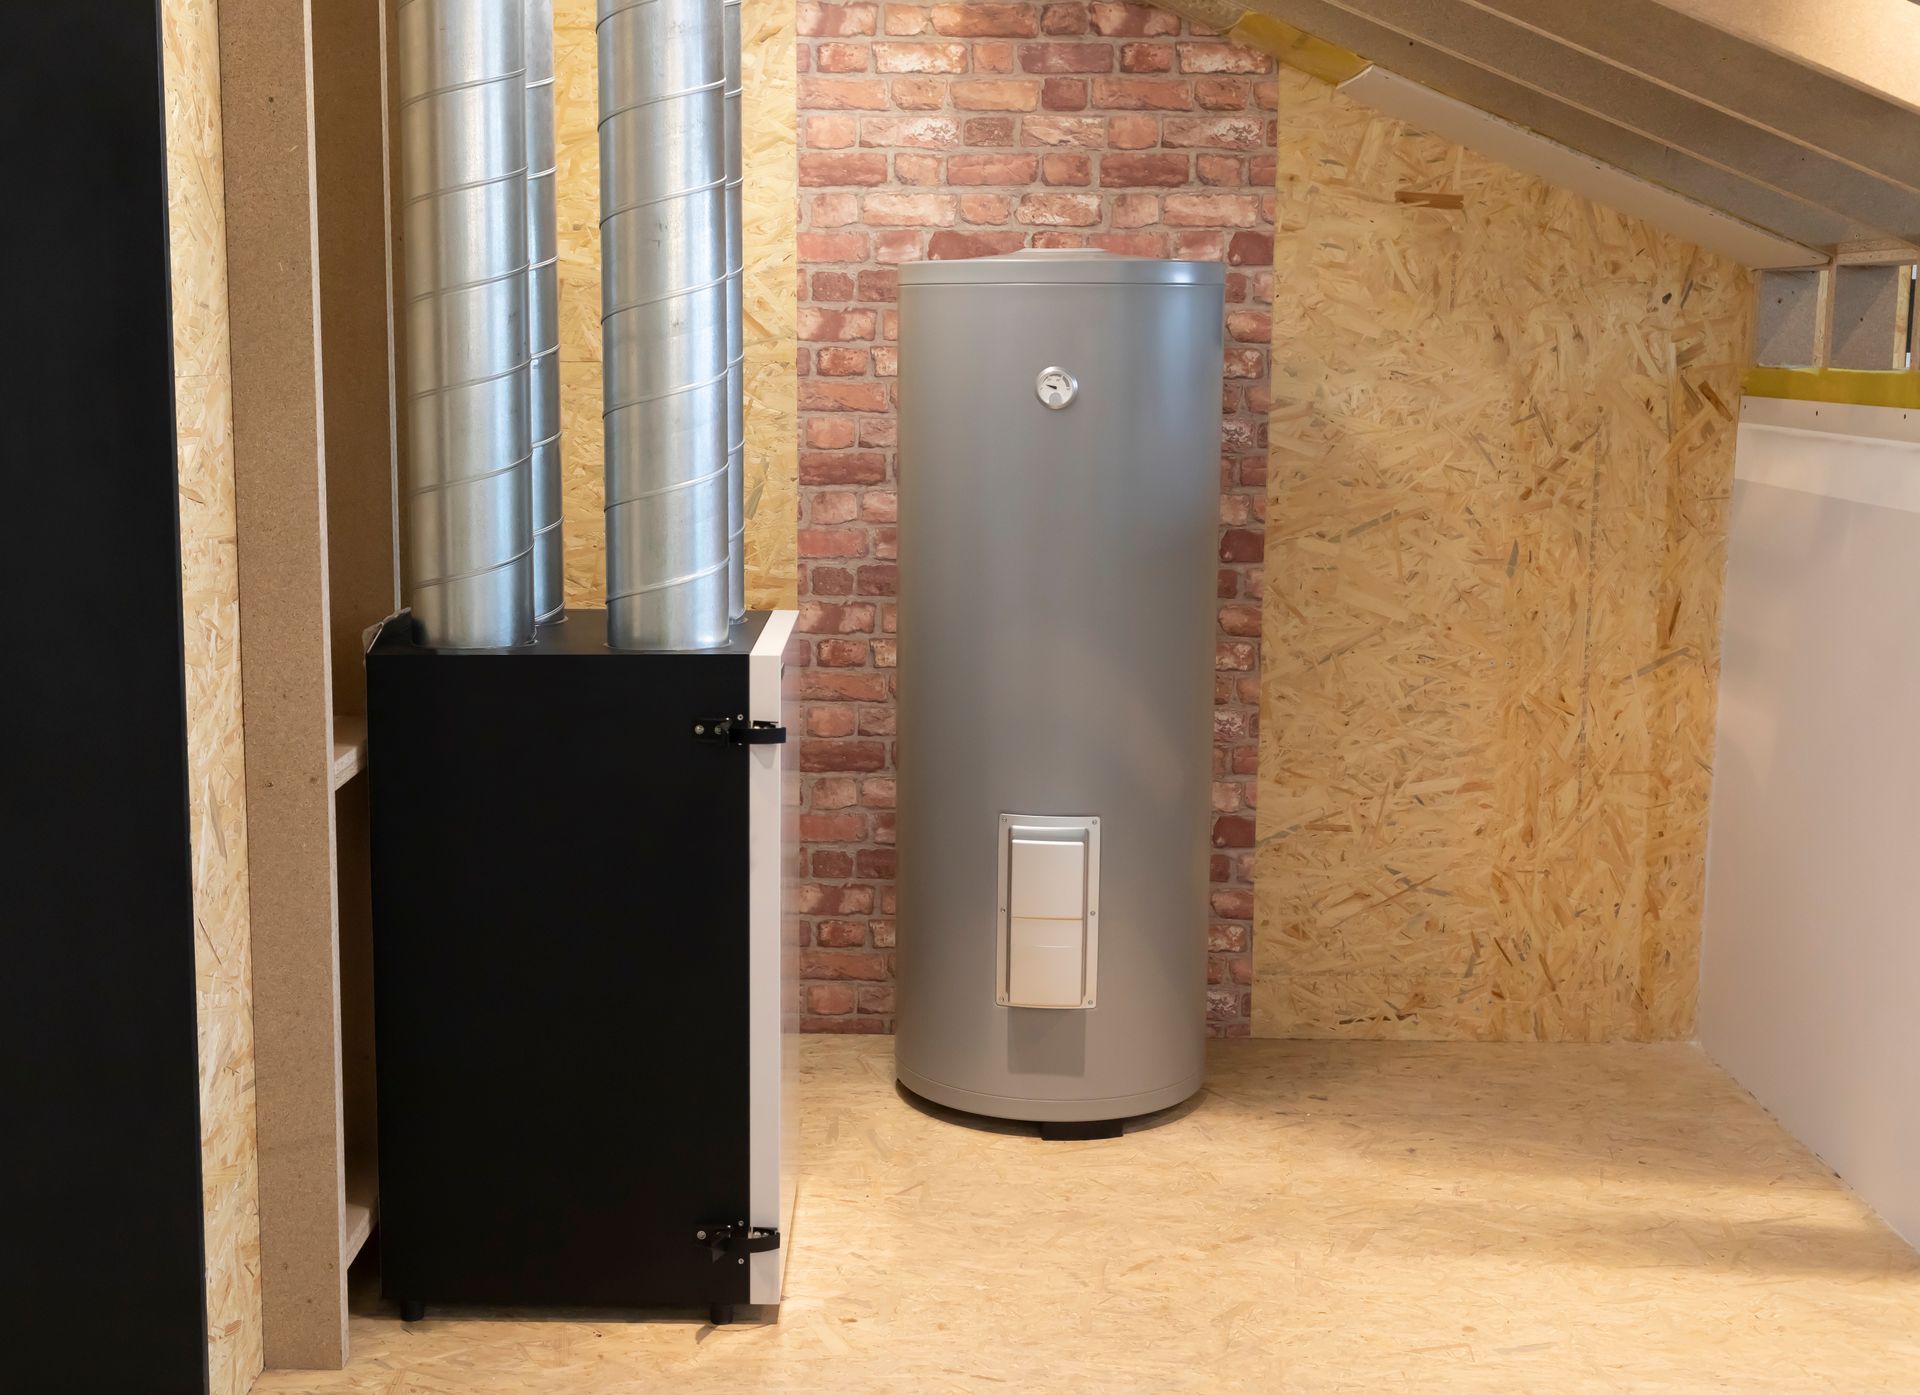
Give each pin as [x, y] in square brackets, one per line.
[1059, 510]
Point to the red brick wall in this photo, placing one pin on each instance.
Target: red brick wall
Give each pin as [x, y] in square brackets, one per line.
[954, 130]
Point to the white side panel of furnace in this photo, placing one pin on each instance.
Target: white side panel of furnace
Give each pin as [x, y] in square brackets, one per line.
[770, 1105]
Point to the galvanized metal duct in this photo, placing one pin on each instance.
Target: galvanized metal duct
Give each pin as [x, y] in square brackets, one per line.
[736, 324]
[543, 314]
[463, 179]
[664, 317]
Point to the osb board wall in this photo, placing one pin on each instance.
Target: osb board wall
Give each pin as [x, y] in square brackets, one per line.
[577, 195]
[211, 596]
[770, 213]
[1500, 458]
[768, 122]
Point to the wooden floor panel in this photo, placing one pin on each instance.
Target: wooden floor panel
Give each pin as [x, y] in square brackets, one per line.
[1326, 1216]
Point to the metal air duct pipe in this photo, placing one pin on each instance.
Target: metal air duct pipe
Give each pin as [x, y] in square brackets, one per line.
[543, 314]
[736, 324]
[664, 321]
[463, 177]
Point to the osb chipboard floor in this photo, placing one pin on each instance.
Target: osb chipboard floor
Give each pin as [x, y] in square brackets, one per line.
[769, 219]
[210, 595]
[1325, 1216]
[1501, 453]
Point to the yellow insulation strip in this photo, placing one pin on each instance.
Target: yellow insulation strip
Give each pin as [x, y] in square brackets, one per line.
[1297, 48]
[1858, 386]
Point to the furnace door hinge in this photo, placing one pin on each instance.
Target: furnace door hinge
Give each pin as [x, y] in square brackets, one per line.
[737, 1241]
[740, 731]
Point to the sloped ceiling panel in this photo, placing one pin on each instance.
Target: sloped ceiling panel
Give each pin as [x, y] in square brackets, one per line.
[1868, 44]
[1692, 58]
[1663, 96]
[1523, 150]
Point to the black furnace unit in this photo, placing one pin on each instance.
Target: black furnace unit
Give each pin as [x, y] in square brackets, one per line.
[581, 985]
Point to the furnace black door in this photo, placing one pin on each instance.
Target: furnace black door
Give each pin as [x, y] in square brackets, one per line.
[560, 900]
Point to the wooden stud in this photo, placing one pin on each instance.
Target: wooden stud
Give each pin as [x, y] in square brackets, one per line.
[396, 290]
[217, 789]
[1903, 319]
[1877, 252]
[363, 545]
[362, 494]
[1823, 320]
[274, 285]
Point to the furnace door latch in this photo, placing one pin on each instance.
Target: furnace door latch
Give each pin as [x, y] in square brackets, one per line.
[737, 1241]
[739, 731]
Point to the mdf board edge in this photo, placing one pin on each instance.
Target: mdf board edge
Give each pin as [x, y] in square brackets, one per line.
[273, 282]
[354, 224]
[356, 321]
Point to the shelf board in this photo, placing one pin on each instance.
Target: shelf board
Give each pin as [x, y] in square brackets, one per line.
[359, 1227]
[363, 1188]
[349, 747]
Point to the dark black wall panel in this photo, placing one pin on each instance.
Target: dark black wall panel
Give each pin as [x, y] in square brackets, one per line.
[101, 1272]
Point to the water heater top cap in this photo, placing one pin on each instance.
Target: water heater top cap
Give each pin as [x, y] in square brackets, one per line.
[1053, 266]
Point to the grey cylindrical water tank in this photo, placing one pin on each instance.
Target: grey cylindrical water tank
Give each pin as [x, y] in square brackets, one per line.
[1059, 503]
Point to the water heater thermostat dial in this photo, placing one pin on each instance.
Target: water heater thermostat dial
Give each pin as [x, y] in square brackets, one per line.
[1055, 387]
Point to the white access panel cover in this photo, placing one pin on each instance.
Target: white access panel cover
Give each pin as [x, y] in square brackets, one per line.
[1049, 908]
[772, 968]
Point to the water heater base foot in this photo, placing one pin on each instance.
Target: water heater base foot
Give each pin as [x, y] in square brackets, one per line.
[1076, 1130]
